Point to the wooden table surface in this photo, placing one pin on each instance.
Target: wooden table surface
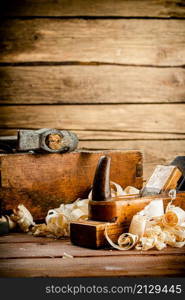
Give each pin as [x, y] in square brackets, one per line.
[22, 255]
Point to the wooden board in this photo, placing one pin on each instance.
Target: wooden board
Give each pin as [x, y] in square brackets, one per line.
[44, 259]
[154, 152]
[44, 181]
[164, 178]
[143, 118]
[142, 127]
[91, 84]
[144, 8]
[168, 265]
[19, 245]
[140, 42]
[161, 150]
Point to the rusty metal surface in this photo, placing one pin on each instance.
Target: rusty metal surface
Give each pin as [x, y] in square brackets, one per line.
[42, 140]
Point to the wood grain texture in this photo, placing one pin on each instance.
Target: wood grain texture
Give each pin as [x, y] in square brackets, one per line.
[133, 118]
[20, 257]
[152, 120]
[109, 135]
[91, 84]
[90, 233]
[15, 237]
[122, 8]
[16, 248]
[140, 42]
[164, 265]
[154, 152]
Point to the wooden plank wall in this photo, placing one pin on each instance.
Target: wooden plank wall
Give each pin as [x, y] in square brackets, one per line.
[112, 71]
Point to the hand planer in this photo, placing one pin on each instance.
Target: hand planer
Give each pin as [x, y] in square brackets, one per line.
[117, 212]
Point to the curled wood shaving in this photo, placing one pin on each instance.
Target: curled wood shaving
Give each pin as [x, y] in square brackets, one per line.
[116, 189]
[67, 255]
[22, 217]
[174, 216]
[58, 219]
[145, 243]
[154, 228]
[137, 225]
[126, 241]
[154, 209]
[11, 223]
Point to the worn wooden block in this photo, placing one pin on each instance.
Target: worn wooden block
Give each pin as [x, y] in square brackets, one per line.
[44, 181]
[91, 233]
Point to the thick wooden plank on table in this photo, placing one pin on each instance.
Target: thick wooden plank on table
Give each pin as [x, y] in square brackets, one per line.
[91, 84]
[142, 42]
[134, 8]
[44, 181]
[22, 247]
[144, 265]
[124, 117]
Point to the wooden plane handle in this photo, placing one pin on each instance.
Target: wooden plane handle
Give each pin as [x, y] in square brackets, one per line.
[101, 185]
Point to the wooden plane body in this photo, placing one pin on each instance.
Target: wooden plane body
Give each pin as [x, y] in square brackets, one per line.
[116, 214]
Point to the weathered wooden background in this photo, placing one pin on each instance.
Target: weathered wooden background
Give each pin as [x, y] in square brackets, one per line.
[112, 71]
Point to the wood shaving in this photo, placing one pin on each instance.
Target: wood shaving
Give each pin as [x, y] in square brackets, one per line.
[67, 255]
[154, 229]
[154, 209]
[22, 217]
[12, 224]
[58, 219]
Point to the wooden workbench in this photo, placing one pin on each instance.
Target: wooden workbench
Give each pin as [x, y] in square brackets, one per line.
[22, 255]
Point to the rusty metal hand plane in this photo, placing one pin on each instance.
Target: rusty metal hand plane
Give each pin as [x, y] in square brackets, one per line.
[116, 212]
[42, 140]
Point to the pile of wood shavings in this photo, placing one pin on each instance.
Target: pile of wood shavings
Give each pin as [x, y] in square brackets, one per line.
[154, 228]
[57, 221]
